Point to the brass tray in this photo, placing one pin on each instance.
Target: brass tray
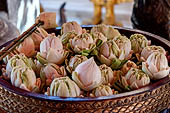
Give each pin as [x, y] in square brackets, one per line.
[149, 99]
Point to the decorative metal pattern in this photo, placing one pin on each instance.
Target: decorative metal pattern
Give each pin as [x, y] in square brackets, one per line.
[148, 102]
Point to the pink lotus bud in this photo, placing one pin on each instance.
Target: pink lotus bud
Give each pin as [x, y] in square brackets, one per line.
[87, 75]
[71, 26]
[27, 47]
[147, 51]
[63, 87]
[156, 66]
[51, 50]
[102, 90]
[138, 42]
[51, 71]
[137, 78]
[23, 77]
[82, 42]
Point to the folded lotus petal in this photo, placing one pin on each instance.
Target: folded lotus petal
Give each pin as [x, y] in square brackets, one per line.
[63, 90]
[161, 74]
[104, 60]
[56, 57]
[122, 55]
[134, 85]
[145, 69]
[87, 75]
[104, 49]
[152, 68]
[51, 42]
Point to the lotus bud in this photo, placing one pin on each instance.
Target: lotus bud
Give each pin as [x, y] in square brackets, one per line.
[48, 18]
[101, 28]
[107, 74]
[138, 42]
[27, 47]
[112, 33]
[64, 87]
[99, 38]
[137, 78]
[109, 51]
[149, 50]
[16, 60]
[156, 66]
[51, 50]
[75, 61]
[87, 75]
[23, 77]
[127, 66]
[102, 90]
[67, 36]
[82, 42]
[108, 31]
[124, 45]
[71, 26]
[51, 71]
[120, 82]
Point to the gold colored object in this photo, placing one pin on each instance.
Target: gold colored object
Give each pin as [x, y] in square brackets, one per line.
[109, 16]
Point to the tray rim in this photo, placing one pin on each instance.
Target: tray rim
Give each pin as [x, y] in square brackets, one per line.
[149, 88]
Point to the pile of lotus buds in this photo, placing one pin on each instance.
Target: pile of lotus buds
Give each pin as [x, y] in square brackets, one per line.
[85, 63]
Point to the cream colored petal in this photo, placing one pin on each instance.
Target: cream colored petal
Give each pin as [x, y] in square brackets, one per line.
[63, 90]
[145, 69]
[161, 74]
